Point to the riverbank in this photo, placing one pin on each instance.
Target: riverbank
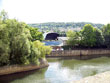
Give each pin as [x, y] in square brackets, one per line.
[22, 68]
[99, 78]
[81, 54]
[72, 69]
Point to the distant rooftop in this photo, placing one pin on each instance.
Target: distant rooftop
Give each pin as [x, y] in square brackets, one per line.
[63, 38]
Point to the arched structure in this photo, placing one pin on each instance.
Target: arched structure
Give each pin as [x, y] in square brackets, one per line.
[51, 36]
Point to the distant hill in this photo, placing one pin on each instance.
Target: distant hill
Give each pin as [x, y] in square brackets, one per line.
[62, 26]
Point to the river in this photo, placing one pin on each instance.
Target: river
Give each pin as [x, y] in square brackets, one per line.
[61, 71]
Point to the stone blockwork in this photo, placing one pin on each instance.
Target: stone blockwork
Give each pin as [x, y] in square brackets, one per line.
[99, 78]
[80, 54]
[22, 68]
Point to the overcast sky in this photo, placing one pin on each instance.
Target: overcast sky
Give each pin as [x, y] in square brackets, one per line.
[38, 11]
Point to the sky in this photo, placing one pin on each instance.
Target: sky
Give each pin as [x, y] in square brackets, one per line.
[39, 11]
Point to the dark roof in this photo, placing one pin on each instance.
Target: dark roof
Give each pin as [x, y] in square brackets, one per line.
[51, 36]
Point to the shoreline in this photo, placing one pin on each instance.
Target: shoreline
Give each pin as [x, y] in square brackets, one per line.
[12, 69]
[80, 54]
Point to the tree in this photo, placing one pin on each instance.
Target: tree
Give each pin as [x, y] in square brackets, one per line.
[36, 35]
[99, 38]
[4, 15]
[19, 38]
[73, 38]
[106, 33]
[35, 54]
[16, 45]
[42, 48]
[38, 51]
[4, 45]
[88, 38]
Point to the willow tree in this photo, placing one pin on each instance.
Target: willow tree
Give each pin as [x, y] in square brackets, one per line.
[19, 41]
[42, 48]
[14, 41]
[36, 35]
[4, 44]
[16, 45]
[38, 51]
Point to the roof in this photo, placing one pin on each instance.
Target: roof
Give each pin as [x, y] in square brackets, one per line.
[51, 36]
[63, 38]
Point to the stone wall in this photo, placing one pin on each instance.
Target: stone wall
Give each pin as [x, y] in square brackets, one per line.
[22, 68]
[99, 78]
[80, 54]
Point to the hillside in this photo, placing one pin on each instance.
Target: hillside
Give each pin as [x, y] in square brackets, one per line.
[63, 24]
[61, 27]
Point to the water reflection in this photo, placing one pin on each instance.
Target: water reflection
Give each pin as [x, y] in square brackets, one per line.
[61, 71]
[58, 74]
[86, 68]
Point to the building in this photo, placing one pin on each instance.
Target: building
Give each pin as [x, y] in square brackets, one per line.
[63, 40]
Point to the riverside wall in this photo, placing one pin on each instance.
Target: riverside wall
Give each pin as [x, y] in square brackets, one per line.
[80, 54]
[5, 70]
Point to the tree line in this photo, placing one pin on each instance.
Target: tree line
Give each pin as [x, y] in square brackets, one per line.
[90, 37]
[64, 24]
[20, 43]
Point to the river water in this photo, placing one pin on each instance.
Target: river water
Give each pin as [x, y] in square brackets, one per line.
[61, 71]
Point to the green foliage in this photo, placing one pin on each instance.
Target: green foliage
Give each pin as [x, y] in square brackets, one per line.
[88, 38]
[36, 35]
[99, 37]
[42, 48]
[57, 25]
[38, 51]
[106, 33]
[35, 54]
[61, 27]
[4, 45]
[18, 39]
[73, 38]
[16, 46]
